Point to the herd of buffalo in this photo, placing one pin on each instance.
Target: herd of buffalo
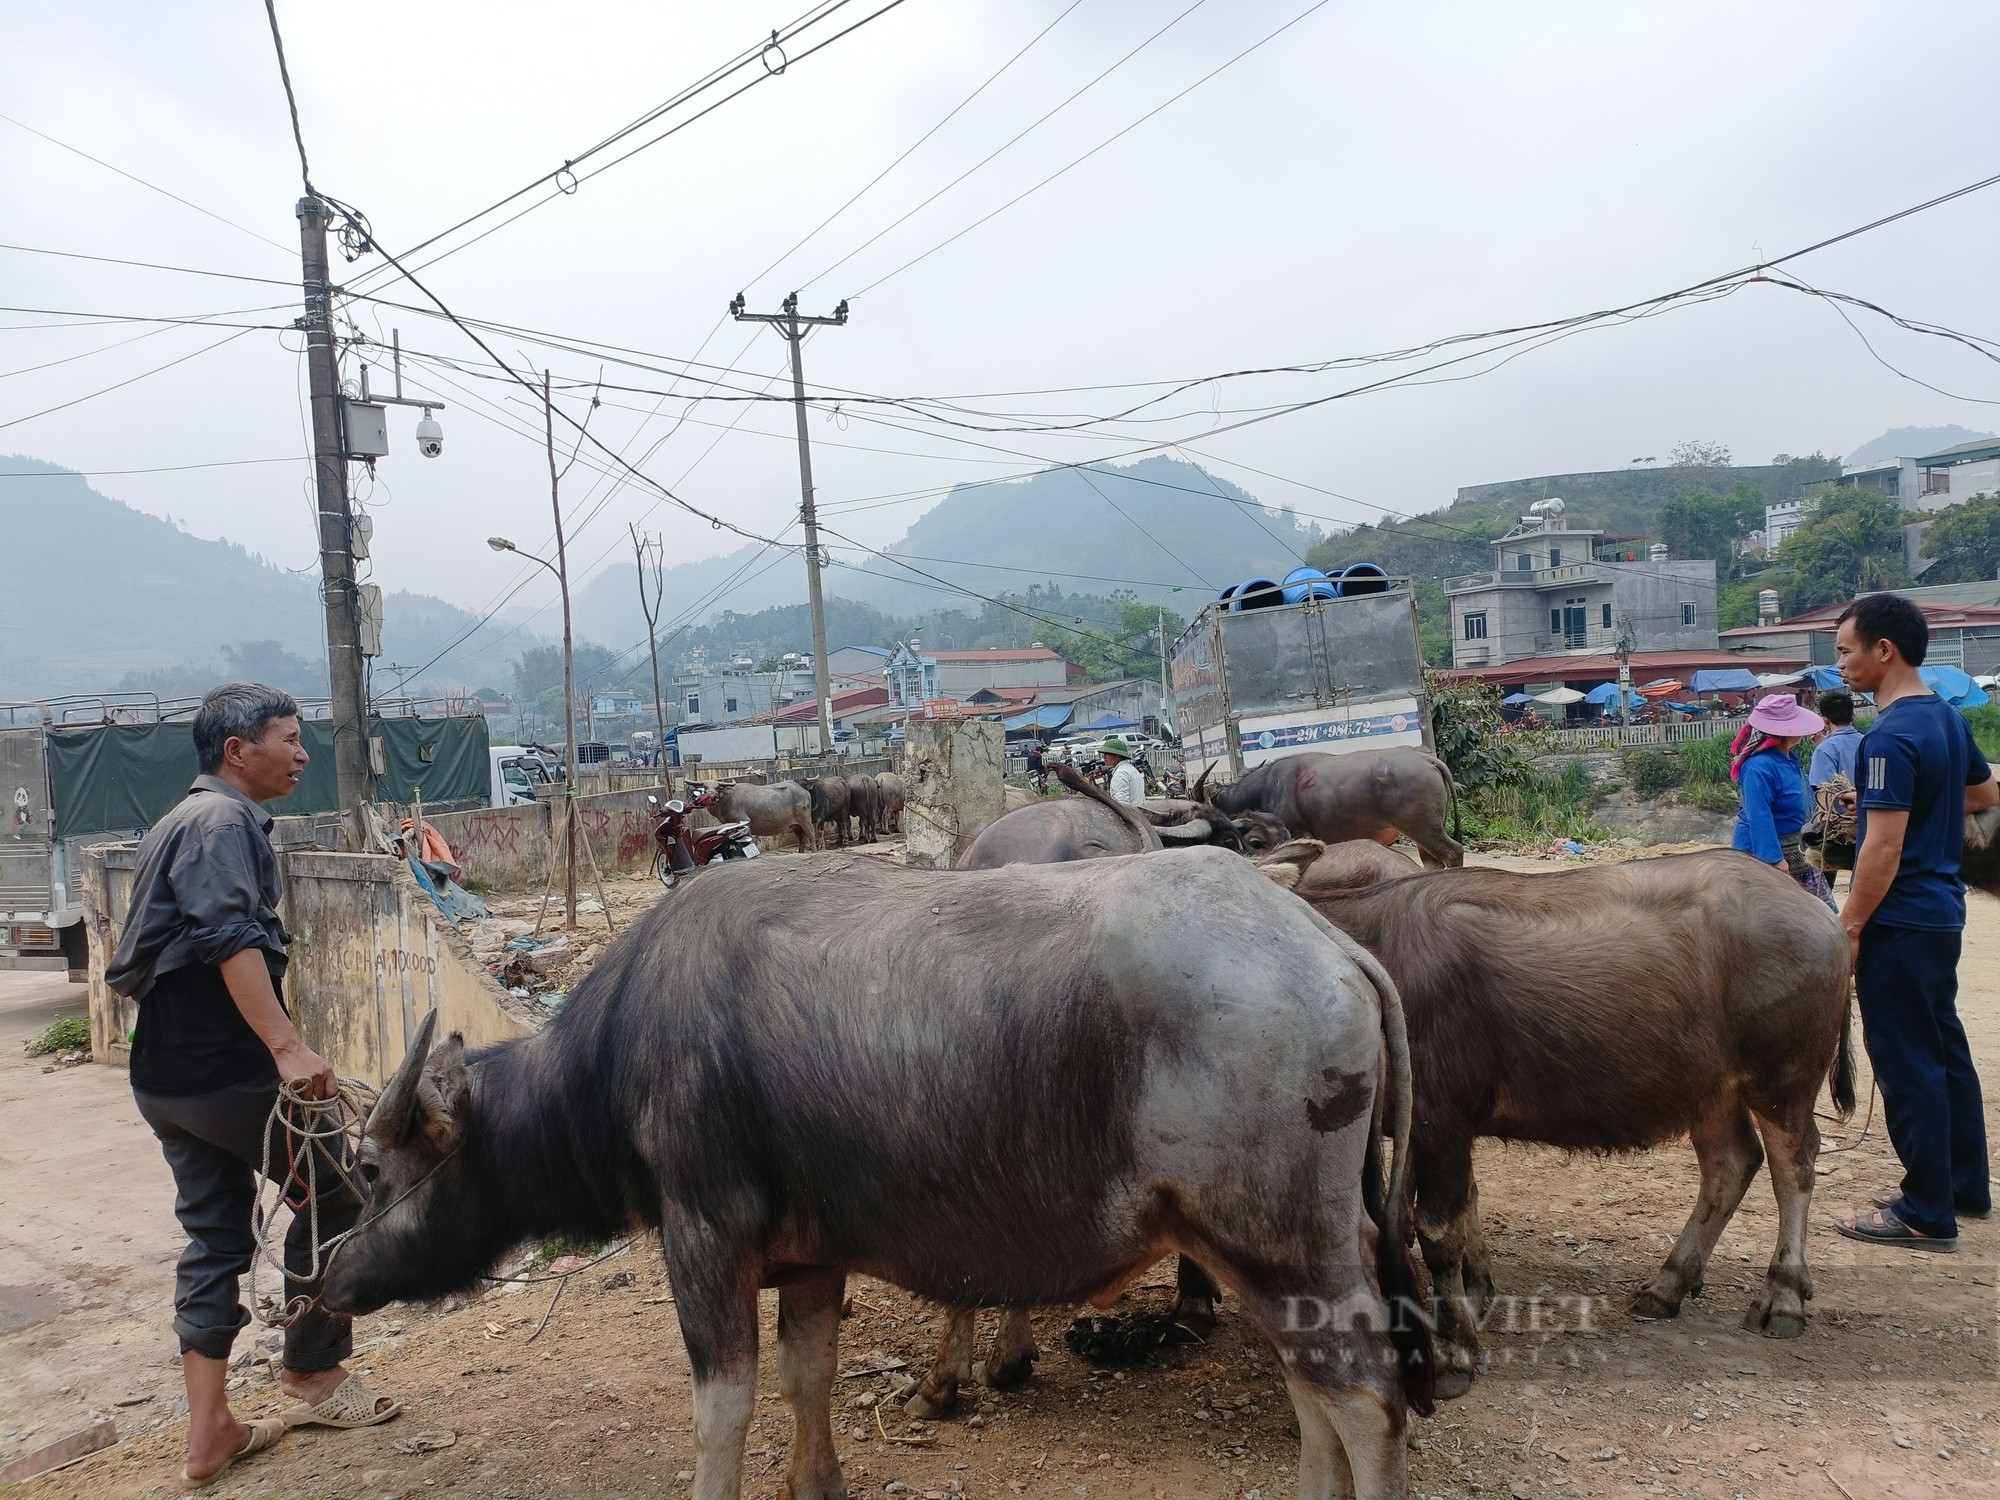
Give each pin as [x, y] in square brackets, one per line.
[1270, 1053]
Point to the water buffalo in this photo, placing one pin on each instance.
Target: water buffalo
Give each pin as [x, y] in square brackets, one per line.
[1336, 867]
[1051, 830]
[864, 800]
[1980, 865]
[740, 1073]
[891, 787]
[1365, 794]
[772, 811]
[1612, 1009]
[830, 804]
[1180, 822]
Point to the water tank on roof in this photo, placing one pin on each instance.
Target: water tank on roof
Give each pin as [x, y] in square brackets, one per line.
[1550, 509]
[1657, 552]
[1767, 606]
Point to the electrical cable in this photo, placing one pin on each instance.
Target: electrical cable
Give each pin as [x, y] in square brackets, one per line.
[910, 150]
[142, 375]
[149, 186]
[147, 265]
[225, 463]
[1079, 161]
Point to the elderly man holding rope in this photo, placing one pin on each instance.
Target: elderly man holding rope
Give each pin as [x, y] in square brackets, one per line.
[203, 955]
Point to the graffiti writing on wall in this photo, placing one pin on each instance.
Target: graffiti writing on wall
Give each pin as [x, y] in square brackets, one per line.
[402, 961]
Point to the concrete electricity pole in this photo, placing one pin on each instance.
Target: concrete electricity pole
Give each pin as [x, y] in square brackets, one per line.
[792, 327]
[348, 680]
[569, 665]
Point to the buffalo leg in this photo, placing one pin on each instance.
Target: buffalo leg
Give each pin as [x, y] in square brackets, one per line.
[1014, 1352]
[1478, 1267]
[808, 1353]
[1438, 848]
[937, 1392]
[1780, 1312]
[1346, 1389]
[1726, 1145]
[1445, 1244]
[1195, 1296]
[715, 1299]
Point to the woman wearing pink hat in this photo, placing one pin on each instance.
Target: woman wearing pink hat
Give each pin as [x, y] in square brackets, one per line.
[1773, 792]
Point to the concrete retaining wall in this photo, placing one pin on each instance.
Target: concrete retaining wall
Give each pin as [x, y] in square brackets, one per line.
[372, 956]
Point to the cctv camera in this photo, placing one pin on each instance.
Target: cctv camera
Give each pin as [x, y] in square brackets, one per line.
[430, 437]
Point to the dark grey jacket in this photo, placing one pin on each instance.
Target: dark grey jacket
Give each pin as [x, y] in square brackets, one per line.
[206, 888]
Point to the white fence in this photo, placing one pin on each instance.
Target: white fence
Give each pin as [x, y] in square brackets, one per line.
[1613, 737]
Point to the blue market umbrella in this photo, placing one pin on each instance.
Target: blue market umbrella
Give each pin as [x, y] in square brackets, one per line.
[1517, 698]
[1954, 686]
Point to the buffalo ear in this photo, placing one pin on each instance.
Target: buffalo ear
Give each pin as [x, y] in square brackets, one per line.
[1286, 875]
[389, 1121]
[444, 1096]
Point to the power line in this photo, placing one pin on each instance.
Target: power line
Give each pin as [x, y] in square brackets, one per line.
[225, 463]
[144, 265]
[130, 380]
[1079, 161]
[149, 186]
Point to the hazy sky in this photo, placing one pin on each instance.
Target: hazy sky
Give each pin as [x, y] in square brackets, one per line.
[1375, 177]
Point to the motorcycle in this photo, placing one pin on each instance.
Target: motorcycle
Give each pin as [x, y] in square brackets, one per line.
[679, 848]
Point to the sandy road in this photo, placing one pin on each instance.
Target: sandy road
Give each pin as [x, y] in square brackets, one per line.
[1892, 1391]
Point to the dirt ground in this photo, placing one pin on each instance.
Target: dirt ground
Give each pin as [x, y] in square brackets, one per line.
[1889, 1393]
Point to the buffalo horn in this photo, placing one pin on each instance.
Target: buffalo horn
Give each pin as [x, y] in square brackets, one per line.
[1196, 792]
[1193, 831]
[389, 1121]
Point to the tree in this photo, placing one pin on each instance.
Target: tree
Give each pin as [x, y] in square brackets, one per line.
[1852, 544]
[1965, 542]
[1695, 454]
[1700, 524]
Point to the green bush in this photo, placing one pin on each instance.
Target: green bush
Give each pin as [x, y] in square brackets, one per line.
[1705, 762]
[67, 1035]
[1539, 808]
[1654, 771]
[1715, 797]
[1985, 724]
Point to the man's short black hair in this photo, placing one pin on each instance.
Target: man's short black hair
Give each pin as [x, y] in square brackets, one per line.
[1837, 707]
[237, 711]
[1892, 618]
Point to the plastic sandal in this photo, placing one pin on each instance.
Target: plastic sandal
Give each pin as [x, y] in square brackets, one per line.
[351, 1404]
[1884, 1228]
[263, 1433]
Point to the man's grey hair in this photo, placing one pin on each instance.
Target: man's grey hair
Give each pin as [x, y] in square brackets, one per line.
[237, 711]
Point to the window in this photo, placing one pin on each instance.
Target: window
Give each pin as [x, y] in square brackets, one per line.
[1555, 557]
[1555, 622]
[729, 705]
[1525, 562]
[1607, 617]
[694, 703]
[1687, 614]
[1475, 625]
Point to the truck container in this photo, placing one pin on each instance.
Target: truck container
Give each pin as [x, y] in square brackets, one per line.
[1326, 674]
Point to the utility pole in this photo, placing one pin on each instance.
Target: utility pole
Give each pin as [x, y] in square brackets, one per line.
[569, 669]
[347, 675]
[792, 327]
[646, 553]
[1169, 711]
[1624, 653]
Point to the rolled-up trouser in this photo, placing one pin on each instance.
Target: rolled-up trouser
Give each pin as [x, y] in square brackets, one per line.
[212, 1141]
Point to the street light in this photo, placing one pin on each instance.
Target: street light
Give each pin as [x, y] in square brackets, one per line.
[501, 544]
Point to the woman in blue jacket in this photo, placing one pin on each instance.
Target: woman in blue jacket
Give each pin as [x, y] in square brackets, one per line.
[1773, 792]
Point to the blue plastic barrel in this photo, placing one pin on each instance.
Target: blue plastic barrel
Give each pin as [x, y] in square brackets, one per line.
[1257, 593]
[1361, 579]
[1302, 584]
[1226, 595]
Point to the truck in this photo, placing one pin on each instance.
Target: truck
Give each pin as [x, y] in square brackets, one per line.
[1256, 678]
[99, 769]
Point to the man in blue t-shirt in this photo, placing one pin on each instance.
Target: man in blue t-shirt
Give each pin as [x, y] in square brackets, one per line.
[1839, 752]
[1919, 775]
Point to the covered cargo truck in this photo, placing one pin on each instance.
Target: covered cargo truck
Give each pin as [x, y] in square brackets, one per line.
[1331, 674]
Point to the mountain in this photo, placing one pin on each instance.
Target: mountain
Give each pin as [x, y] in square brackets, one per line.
[97, 593]
[1169, 532]
[1912, 442]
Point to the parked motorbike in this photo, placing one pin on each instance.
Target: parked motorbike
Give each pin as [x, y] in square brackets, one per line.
[679, 848]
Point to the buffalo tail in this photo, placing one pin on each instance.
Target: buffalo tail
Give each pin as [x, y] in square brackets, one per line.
[1409, 1329]
[1131, 816]
[1843, 1060]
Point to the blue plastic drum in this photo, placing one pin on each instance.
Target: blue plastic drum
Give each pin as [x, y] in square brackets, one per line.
[1257, 593]
[1361, 579]
[1302, 584]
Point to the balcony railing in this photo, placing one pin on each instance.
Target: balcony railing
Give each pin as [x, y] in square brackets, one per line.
[1533, 578]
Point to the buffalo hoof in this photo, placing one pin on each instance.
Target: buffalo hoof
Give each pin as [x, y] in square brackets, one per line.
[1451, 1384]
[924, 1405]
[1001, 1377]
[1196, 1314]
[1650, 1307]
[1777, 1314]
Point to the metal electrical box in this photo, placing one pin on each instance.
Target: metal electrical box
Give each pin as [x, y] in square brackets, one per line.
[367, 430]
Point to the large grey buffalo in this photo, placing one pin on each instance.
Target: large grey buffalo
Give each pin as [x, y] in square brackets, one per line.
[740, 1073]
[772, 811]
[891, 809]
[1324, 868]
[1365, 794]
[1612, 1009]
[1092, 825]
